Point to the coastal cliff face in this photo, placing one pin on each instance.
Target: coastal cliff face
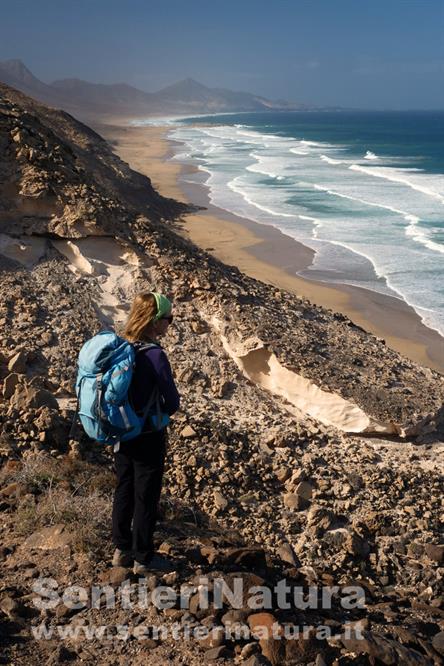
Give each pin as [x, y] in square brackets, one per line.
[271, 471]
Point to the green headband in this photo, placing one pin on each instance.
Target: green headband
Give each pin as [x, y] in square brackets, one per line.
[163, 305]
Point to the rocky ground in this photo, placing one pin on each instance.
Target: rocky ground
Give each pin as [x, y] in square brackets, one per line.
[255, 486]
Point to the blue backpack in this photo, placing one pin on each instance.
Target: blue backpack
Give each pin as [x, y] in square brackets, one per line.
[105, 369]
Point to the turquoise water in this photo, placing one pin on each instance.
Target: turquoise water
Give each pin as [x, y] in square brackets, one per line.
[364, 190]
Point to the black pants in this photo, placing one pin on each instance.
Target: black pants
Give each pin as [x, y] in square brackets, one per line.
[139, 465]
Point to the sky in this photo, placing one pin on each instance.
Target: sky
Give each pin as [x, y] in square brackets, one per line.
[374, 54]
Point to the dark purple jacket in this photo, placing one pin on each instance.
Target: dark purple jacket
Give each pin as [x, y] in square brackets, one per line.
[153, 367]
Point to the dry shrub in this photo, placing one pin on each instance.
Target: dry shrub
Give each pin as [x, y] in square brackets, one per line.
[103, 481]
[36, 473]
[86, 515]
[43, 471]
[82, 503]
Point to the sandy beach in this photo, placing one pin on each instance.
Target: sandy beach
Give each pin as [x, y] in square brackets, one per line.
[265, 253]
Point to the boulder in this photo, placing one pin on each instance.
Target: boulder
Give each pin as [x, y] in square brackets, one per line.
[434, 552]
[18, 363]
[350, 542]
[438, 642]
[49, 538]
[387, 651]
[12, 608]
[10, 384]
[29, 397]
[114, 576]
[267, 629]
[219, 500]
[215, 638]
[303, 649]
[282, 474]
[256, 660]
[252, 558]
[287, 554]
[304, 490]
[294, 501]
[188, 431]
[220, 652]
[248, 650]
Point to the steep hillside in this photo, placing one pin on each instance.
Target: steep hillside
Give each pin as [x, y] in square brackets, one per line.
[58, 176]
[272, 473]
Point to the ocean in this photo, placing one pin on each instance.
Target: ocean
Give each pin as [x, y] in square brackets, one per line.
[365, 190]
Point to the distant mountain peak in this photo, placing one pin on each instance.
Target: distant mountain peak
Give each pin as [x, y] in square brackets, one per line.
[190, 81]
[187, 84]
[17, 69]
[14, 63]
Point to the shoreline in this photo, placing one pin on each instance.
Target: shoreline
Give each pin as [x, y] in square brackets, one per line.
[265, 253]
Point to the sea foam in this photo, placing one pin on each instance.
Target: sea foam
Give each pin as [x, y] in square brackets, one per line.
[297, 185]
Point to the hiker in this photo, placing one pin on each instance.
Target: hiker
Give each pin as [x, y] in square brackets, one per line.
[139, 462]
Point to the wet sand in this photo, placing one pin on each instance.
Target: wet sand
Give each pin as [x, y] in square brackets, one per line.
[265, 253]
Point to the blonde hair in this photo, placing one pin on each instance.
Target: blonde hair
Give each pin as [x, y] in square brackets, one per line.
[143, 311]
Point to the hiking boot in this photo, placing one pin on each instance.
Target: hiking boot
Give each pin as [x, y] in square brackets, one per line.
[122, 558]
[156, 563]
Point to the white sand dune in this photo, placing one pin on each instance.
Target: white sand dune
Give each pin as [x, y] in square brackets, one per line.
[113, 264]
[302, 395]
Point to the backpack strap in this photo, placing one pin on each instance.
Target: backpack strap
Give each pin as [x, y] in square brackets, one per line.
[142, 346]
[155, 396]
[99, 377]
[125, 417]
[122, 411]
[74, 422]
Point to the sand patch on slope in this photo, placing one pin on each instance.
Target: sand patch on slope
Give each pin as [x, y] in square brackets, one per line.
[26, 250]
[302, 395]
[114, 265]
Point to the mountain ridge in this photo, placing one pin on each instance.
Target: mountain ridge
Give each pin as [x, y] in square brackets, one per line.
[87, 99]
